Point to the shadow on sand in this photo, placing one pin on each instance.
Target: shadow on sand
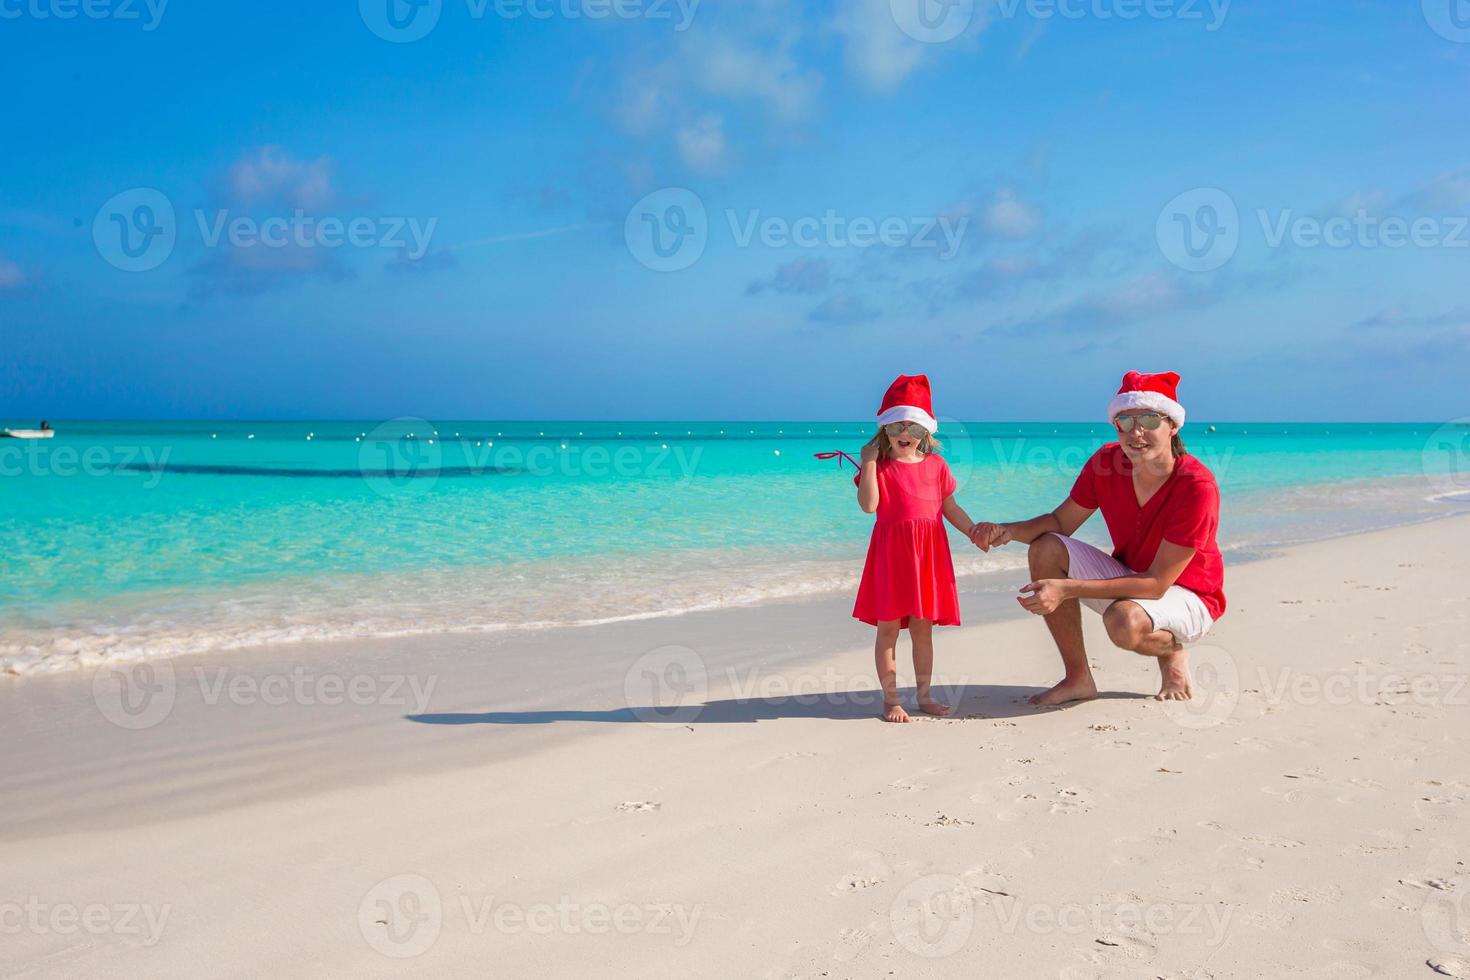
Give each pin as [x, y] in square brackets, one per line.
[970, 702]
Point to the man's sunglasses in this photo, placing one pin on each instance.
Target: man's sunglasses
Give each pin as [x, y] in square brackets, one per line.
[1149, 421]
[895, 429]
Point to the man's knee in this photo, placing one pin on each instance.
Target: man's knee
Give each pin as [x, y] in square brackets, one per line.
[1127, 624]
[1047, 553]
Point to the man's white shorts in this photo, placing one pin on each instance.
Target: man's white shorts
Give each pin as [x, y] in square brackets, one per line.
[1181, 611]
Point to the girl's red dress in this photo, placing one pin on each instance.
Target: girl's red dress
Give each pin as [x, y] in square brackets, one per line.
[909, 571]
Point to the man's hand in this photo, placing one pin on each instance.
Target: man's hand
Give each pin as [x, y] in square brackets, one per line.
[1046, 595]
[870, 451]
[987, 535]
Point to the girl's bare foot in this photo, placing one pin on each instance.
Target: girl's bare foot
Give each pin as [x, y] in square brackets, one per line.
[895, 712]
[1174, 672]
[931, 707]
[1068, 689]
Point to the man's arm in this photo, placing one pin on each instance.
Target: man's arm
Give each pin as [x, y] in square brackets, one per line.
[1168, 565]
[1066, 519]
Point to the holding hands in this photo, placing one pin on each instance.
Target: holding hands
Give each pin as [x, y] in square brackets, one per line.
[987, 535]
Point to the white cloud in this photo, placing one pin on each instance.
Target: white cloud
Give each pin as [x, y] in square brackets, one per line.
[1010, 217]
[11, 275]
[876, 50]
[1447, 191]
[269, 175]
[702, 144]
[773, 77]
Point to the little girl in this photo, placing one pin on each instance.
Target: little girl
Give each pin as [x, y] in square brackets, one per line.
[908, 580]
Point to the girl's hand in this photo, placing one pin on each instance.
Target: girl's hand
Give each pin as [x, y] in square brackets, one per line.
[987, 535]
[870, 451]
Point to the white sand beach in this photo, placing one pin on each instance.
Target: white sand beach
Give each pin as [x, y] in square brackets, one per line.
[515, 806]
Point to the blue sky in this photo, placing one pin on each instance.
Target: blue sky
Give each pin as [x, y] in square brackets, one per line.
[1033, 168]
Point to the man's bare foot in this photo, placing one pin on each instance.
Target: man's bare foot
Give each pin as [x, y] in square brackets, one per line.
[931, 707]
[895, 712]
[1174, 670]
[1080, 689]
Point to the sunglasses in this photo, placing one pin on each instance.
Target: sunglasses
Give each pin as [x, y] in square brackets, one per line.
[1148, 422]
[895, 429]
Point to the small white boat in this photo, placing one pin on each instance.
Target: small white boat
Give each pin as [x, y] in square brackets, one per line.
[27, 433]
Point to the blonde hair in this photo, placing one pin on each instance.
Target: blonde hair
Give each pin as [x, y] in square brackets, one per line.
[927, 445]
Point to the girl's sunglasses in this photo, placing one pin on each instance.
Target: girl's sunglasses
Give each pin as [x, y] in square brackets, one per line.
[895, 429]
[1148, 422]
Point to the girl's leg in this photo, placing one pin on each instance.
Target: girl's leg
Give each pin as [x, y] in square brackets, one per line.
[885, 658]
[921, 635]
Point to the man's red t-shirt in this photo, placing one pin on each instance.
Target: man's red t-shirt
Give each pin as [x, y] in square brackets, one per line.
[1185, 511]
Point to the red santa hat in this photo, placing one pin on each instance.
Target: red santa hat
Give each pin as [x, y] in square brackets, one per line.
[1155, 392]
[908, 400]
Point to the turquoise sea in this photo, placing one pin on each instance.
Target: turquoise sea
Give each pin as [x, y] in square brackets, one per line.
[138, 539]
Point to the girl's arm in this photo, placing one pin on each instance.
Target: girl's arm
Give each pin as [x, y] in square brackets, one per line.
[956, 515]
[868, 484]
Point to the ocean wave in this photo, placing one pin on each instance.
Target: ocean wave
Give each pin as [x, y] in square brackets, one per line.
[532, 596]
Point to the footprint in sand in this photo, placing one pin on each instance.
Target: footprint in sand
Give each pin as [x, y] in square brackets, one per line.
[855, 883]
[1388, 842]
[1069, 800]
[1269, 921]
[1450, 966]
[1329, 895]
[874, 871]
[639, 806]
[851, 943]
[1133, 947]
[1270, 840]
[945, 821]
[908, 785]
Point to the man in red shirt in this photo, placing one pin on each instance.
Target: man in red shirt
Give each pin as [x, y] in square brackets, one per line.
[1163, 585]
